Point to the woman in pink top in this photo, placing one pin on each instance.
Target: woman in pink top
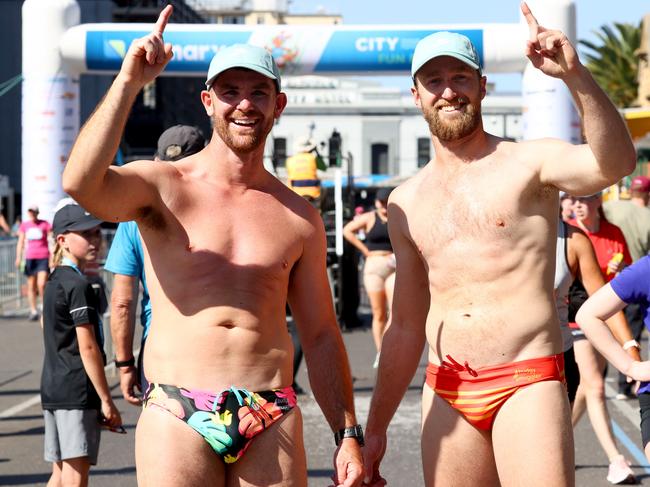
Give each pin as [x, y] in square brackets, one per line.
[32, 237]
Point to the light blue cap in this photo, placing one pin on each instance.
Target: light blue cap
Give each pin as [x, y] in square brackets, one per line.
[243, 56]
[444, 44]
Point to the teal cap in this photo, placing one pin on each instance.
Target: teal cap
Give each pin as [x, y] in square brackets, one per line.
[444, 44]
[243, 56]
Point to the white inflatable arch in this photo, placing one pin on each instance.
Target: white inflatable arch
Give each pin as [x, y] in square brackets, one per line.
[56, 50]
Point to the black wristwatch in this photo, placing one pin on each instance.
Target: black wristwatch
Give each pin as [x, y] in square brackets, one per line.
[125, 363]
[355, 432]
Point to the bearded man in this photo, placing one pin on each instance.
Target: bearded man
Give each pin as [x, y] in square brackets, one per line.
[220, 409]
[474, 237]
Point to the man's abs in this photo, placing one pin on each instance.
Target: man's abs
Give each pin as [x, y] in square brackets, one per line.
[218, 348]
[494, 329]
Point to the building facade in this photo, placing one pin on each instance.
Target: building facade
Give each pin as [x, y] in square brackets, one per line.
[378, 128]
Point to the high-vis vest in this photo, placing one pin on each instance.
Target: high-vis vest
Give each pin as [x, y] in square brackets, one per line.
[302, 174]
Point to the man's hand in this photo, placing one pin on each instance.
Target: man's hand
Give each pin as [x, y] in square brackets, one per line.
[348, 464]
[549, 50]
[639, 371]
[148, 56]
[373, 452]
[128, 384]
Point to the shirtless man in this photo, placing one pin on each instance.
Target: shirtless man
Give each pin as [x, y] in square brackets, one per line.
[474, 236]
[226, 246]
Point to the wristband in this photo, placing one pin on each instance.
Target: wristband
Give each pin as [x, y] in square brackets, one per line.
[630, 344]
[125, 363]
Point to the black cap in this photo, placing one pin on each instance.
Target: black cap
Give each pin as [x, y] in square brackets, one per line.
[73, 218]
[179, 141]
[383, 194]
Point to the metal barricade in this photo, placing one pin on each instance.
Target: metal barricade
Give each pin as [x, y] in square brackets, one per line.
[13, 283]
[12, 280]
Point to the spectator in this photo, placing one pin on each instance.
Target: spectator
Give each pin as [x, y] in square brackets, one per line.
[74, 392]
[32, 237]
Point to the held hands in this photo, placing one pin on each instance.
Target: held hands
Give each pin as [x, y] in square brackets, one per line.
[148, 56]
[549, 50]
[348, 464]
[373, 452]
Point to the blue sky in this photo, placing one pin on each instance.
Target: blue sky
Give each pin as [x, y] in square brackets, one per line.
[591, 14]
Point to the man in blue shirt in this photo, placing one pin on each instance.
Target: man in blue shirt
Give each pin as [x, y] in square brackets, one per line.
[126, 260]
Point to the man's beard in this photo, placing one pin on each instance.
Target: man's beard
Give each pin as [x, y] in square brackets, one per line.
[242, 144]
[448, 130]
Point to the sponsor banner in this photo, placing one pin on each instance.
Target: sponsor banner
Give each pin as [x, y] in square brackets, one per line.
[192, 50]
[380, 50]
[50, 122]
[297, 50]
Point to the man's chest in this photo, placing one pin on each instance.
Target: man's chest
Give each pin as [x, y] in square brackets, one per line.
[221, 234]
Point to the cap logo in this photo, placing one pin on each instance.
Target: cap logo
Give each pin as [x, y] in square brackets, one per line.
[173, 151]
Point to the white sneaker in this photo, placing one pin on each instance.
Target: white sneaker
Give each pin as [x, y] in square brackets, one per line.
[619, 472]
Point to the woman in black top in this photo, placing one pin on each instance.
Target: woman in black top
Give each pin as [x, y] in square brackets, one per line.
[379, 269]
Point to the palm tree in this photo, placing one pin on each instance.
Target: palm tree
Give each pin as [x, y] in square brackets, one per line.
[615, 63]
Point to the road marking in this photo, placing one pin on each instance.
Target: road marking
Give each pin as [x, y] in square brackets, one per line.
[634, 450]
[633, 417]
[7, 413]
[12, 411]
[19, 376]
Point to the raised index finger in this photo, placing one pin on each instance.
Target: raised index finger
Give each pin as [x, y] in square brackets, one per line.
[163, 18]
[533, 25]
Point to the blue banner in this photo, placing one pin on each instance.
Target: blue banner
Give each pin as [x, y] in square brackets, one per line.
[192, 50]
[379, 50]
[388, 50]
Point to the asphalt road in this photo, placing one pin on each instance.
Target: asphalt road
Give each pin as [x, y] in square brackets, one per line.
[21, 423]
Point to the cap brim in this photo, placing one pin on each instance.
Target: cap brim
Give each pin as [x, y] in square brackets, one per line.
[91, 222]
[455, 55]
[252, 67]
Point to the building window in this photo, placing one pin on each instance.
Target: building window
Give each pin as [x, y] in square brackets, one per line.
[233, 19]
[424, 151]
[379, 158]
[279, 152]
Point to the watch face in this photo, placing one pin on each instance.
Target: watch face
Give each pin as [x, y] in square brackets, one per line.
[355, 432]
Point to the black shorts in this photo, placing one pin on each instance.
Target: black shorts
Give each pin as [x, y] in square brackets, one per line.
[644, 410]
[34, 266]
[571, 373]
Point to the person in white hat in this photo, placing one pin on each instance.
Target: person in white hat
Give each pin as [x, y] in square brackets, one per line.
[474, 237]
[227, 245]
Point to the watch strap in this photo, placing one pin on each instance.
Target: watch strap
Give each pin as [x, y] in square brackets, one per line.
[125, 363]
[631, 344]
[355, 432]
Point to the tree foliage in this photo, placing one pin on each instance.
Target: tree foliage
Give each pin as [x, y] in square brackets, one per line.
[615, 62]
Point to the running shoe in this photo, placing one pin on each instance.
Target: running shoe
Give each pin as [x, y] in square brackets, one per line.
[33, 316]
[620, 472]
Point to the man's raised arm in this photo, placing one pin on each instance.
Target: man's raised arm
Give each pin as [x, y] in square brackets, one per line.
[110, 193]
[609, 154]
